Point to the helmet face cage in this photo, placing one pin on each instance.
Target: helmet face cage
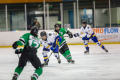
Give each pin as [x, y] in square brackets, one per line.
[43, 33]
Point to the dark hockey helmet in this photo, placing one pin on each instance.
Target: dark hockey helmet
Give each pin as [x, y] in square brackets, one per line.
[43, 33]
[84, 22]
[34, 30]
[57, 25]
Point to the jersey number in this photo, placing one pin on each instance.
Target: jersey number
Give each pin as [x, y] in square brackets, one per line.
[33, 43]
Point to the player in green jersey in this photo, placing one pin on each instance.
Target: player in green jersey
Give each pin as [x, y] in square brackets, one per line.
[64, 49]
[31, 43]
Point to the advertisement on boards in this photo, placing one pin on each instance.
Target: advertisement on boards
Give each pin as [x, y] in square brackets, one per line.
[107, 34]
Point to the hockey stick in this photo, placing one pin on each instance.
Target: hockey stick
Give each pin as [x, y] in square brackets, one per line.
[18, 55]
[72, 34]
[47, 59]
[78, 36]
[68, 36]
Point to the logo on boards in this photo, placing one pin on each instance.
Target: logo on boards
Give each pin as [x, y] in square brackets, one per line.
[106, 30]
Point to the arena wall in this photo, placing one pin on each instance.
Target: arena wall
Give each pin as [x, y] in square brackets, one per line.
[106, 35]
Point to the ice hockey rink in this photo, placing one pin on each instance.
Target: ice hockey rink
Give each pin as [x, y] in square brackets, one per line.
[98, 65]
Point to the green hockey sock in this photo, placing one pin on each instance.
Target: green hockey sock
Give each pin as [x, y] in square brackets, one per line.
[64, 55]
[68, 55]
[37, 73]
[18, 71]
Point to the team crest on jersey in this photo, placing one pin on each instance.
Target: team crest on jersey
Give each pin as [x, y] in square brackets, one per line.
[50, 34]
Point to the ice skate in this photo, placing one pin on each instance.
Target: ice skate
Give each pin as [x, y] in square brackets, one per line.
[70, 60]
[59, 61]
[45, 63]
[15, 77]
[86, 52]
[105, 50]
[32, 78]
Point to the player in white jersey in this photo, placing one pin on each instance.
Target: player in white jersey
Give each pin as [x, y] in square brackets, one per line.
[89, 35]
[51, 41]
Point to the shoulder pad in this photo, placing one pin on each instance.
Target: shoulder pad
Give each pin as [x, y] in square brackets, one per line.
[56, 33]
[50, 34]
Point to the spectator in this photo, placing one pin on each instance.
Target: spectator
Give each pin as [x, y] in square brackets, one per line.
[35, 23]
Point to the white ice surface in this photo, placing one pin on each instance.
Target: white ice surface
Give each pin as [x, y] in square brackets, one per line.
[98, 65]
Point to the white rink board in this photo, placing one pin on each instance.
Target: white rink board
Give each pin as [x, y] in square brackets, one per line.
[7, 38]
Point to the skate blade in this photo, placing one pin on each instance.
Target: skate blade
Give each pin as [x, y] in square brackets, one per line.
[106, 51]
[86, 53]
[72, 62]
[46, 66]
[59, 63]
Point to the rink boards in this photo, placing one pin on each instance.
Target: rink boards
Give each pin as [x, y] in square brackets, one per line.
[106, 35]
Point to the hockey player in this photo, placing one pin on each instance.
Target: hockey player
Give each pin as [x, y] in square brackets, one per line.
[29, 53]
[51, 41]
[89, 35]
[64, 49]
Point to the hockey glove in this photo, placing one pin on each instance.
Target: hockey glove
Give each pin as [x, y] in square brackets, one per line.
[15, 45]
[76, 34]
[52, 49]
[70, 34]
[18, 51]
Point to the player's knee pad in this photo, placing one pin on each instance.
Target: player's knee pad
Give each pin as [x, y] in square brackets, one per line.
[98, 43]
[45, 49]
[22, 65]
[56, 54]
[44, 53]
[85, 42]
